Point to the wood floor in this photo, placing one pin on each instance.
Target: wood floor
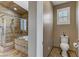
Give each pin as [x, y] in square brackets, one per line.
[12, 53]
[56, 52]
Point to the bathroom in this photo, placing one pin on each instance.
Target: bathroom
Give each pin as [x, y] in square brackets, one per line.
[13, 28]
[16, 28]
[60, 32]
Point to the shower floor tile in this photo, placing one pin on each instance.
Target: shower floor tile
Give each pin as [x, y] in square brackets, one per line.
[12, 53]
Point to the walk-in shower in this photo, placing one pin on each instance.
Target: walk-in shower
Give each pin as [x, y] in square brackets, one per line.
[7, 30]
[11, 33]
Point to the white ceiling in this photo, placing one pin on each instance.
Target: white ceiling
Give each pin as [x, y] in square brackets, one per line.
[23, 4]
[58, 2]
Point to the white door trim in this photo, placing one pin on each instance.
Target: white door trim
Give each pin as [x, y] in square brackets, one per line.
[39, 29]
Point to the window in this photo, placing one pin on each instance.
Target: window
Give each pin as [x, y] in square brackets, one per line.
[63, 16]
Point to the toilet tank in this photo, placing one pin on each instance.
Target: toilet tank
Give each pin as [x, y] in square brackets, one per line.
[64, 39]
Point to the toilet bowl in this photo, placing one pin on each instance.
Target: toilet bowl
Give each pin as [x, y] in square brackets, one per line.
[64, 45]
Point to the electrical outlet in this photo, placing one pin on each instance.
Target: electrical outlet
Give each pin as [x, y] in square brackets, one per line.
[48, 48]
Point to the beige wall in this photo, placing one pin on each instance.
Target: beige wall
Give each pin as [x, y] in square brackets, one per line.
[47, 27]
[70, 29]
[32, 33]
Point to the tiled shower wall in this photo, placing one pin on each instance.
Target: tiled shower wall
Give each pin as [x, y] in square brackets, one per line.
[10, 26]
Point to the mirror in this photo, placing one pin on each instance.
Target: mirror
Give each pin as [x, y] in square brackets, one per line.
[23, 26]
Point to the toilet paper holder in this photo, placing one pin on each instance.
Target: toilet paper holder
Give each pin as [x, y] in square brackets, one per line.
[76, 44]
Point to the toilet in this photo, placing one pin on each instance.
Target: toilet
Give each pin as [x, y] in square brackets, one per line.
[64, 45]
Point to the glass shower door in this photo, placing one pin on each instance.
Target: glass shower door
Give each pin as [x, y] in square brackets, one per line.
[6, 33]
[1, 31]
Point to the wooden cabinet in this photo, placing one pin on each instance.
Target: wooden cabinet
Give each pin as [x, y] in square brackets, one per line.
[21, 45]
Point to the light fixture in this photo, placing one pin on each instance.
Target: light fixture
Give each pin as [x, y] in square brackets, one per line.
[15, 8]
